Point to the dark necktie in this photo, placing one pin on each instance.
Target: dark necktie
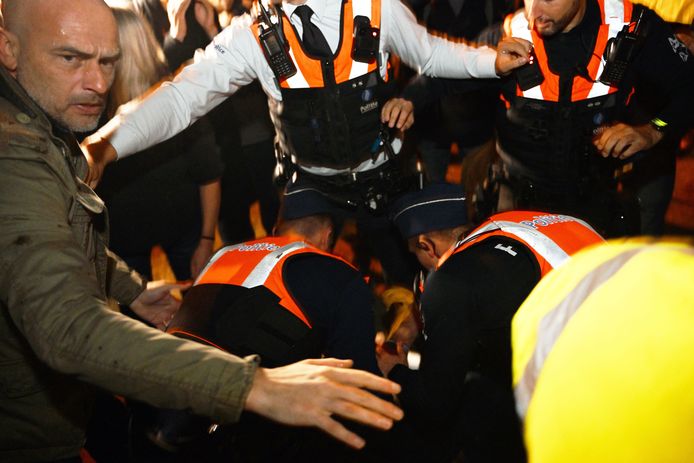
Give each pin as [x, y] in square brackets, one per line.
[313, 40]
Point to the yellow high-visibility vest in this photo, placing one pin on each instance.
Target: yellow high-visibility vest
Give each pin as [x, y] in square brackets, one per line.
[603, 356]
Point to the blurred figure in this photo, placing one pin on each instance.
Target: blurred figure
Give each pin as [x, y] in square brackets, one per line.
[460, 399]
[602, 356]
[170, 197]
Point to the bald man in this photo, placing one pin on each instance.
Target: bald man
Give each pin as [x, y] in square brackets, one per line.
[58, 336]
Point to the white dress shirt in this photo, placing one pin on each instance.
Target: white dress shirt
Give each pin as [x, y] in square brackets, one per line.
[234, 58]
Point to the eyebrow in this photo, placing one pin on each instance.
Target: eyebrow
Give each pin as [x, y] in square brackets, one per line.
[84, 55]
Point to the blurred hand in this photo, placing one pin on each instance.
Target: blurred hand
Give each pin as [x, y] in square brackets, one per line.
[511, 53]
[310, 392]
[156, 304]
[201, 255]
[99, 152]
[176, 10]
[386, 357]
[398, 113]
[206, 15]
[623, 141]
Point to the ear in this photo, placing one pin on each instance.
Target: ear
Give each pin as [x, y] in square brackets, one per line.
[325, 239]
[428, 246]
[9, 50]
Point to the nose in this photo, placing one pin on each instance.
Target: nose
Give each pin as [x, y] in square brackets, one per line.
[532, 10]
[96, 78]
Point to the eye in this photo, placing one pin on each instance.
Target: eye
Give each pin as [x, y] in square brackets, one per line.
[69, 58]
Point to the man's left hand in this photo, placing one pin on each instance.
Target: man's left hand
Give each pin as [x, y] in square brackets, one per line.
[156, 304]
[623, 141]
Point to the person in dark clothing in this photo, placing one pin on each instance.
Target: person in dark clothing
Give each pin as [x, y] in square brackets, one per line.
[285, 298]
[461, 397]
[171, 196]
[466, 119]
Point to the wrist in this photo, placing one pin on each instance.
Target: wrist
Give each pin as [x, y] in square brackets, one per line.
[207, 237]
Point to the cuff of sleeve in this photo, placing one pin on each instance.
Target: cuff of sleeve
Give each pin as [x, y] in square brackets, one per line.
[232, 398]
[487, 64]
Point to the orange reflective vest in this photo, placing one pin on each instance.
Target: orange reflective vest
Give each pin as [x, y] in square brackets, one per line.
[552, 238]
[615, 15]
[309, 69]
[257, 263]
[330, 111]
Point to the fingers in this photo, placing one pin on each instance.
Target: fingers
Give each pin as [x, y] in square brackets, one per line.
[512, 53]
[339, 432]
[361, 406]
[330, 362]
[398, 113]
[363, 379]
[622, 141]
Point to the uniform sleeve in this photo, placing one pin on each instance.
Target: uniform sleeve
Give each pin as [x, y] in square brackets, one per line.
[468, 305]
[124, 284]
[338, 302]
[430, 55]
[56, 304]
[666, 66]
[233, 59]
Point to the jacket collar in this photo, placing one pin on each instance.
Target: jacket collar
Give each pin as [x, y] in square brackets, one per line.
[12, 91]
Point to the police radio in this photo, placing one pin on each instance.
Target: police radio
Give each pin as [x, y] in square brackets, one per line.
[619, 52]
[529, 75]
[274, 44]
[366, 38]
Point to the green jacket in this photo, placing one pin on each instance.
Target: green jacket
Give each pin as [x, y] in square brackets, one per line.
[58, 336]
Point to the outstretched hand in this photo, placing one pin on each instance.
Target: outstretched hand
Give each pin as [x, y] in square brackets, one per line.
[511, 53]
[310, 392]
[156, 304]
[99, 153]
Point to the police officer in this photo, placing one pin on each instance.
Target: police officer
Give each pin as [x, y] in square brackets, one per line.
[324, 65]
[461, 396]
[558, 133]
[285, 298]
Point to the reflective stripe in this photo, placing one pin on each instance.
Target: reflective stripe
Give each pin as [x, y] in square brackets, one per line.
[263, 269]
[552, 324]
[538, 241]
[616, 14]
[309, 70]
[297, 80]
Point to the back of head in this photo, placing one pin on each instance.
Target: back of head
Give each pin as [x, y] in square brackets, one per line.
[438, 207]
[142, 62]
[309, 214]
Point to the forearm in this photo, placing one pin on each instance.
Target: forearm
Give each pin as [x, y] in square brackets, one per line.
[124, 284]
[197, 89]
[429, 55]
[210, 199]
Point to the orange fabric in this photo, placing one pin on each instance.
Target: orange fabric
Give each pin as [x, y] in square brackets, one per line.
[195, 336]
[311, 67]
[234, 266]
[581, 86]
[570, 236]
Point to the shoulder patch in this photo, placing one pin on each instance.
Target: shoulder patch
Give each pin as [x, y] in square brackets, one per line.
[679, 48]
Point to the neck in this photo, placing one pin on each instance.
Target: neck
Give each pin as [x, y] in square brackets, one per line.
[578, 17]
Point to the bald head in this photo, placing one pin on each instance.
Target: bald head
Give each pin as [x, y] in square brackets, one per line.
[62, 53]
